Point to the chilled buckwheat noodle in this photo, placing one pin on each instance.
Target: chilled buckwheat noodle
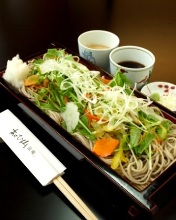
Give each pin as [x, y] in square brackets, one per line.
[114, 115]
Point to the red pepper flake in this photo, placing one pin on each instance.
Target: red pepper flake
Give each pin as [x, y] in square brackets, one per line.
[166, 86]
[166, 90]
[172, 87]
[160, 86]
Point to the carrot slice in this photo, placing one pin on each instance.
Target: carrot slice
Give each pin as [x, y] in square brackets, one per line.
[45, 82]
[91, 117]
[105, 146]
[31, 80]
[65, 99]
[104, 80]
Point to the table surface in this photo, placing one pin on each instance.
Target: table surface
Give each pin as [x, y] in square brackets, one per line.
[28, 26]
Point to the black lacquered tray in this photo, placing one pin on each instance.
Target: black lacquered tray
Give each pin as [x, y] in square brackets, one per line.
[148, 198]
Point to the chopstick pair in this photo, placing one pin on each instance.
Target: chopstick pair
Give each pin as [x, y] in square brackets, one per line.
[74, 198]
[38, 159]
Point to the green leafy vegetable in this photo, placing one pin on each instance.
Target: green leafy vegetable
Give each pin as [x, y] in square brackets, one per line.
[95, 107]
[135, 136]
[145, 142]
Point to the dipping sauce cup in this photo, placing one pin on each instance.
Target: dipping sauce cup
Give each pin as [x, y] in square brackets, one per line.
[96, 45]
[135, 62]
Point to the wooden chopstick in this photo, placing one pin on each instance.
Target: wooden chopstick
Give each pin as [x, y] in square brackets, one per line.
[37, 165]
[74, 198]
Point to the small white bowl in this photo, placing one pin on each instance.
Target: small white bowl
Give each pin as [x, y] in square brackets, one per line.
[166, 91]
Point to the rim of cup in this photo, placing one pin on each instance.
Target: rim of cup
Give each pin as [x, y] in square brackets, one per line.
[115, 42]
[132, 47]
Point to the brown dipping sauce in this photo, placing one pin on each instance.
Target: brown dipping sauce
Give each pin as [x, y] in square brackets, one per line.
[131, 64]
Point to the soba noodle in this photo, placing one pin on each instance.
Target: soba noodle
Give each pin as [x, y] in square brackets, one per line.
[108, 103]
[135, 171]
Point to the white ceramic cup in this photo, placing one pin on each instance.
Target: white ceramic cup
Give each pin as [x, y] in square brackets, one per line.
[96, 45]
[138, 75]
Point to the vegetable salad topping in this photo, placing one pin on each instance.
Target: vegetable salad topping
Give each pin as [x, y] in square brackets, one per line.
[104, 111]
